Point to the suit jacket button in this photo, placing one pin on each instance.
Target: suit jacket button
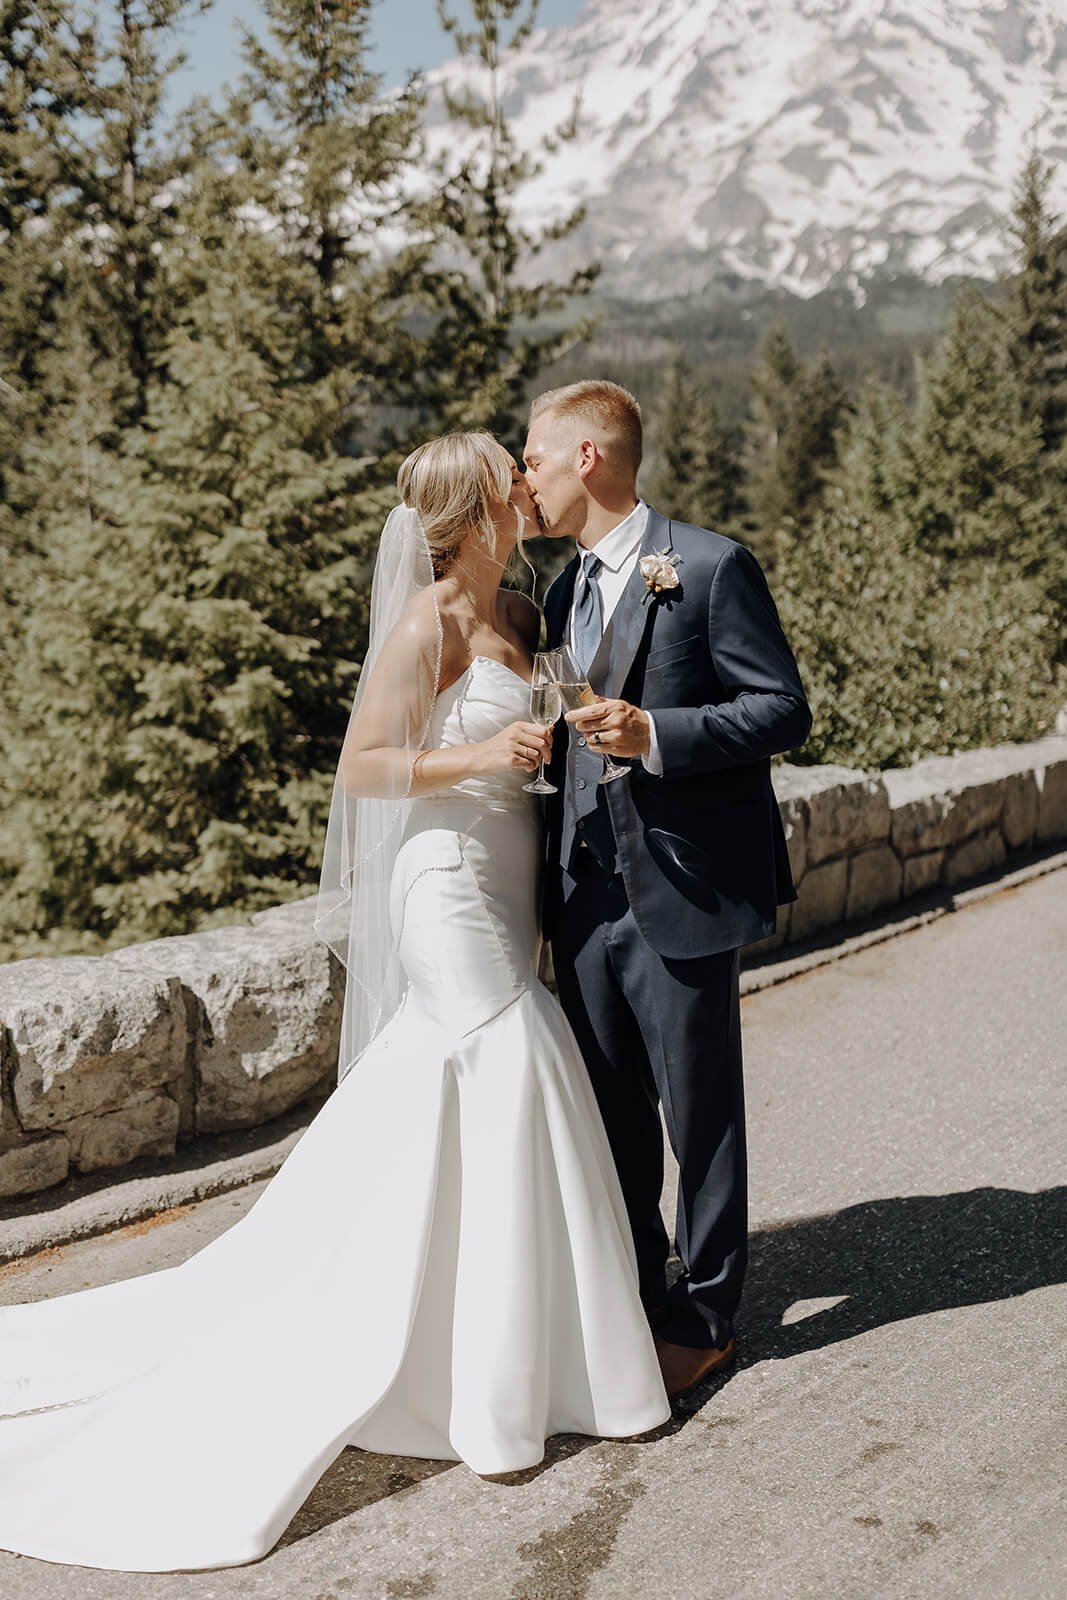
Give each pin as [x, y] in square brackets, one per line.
[581, 742]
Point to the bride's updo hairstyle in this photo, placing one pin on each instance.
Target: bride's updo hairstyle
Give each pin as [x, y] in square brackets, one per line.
[452, 483]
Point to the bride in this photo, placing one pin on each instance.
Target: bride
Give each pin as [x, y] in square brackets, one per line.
[443, 1266]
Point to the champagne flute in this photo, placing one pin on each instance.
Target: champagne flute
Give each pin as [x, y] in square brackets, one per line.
[546, 706]
[575, 691]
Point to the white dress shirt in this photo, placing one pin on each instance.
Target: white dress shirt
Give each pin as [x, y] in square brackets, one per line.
[618, 552]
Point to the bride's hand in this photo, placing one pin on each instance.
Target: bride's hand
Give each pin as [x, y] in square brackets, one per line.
[518, 747]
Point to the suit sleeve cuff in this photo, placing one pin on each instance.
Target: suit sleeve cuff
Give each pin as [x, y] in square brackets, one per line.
[652, 761]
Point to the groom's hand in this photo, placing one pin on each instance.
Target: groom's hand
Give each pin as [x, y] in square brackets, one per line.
[613, 727]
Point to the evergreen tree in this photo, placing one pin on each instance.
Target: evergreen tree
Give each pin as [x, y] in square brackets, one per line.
[807, 448]
[914, 595]
[1037, 309]
[124, 173]
[322, 153]
[773, 381]
[876, 468]
[207, 605]
[976, 451]
[856, 597]
[486, 347]
[902, 654]
[790, 439]
[696, 475]
[1037, 320]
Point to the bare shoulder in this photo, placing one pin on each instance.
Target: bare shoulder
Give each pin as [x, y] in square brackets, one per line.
[424, 627]
[523, 615]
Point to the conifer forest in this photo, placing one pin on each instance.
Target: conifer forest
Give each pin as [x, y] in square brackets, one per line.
[222, 327]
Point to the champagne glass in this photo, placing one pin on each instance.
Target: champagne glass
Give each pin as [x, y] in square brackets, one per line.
[575, 691]
[546, 706]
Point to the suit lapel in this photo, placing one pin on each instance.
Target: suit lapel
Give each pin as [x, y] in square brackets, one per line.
[623, 635]
[558, 604]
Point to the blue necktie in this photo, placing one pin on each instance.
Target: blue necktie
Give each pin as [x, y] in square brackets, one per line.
[588, 619]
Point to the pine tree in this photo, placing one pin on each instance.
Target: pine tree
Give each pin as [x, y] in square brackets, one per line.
[857, 600]
[976, 449]
[790, 437]
[876, 468]
[208, 602]
[807, 448]
[773, 381]
[1037, 308]
[1036, 314]
[486, 348]
[696, 475]
[322, 153]
[912, 596]
[125, 174]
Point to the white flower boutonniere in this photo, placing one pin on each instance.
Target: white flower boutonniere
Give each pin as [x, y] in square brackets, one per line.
[660, 572]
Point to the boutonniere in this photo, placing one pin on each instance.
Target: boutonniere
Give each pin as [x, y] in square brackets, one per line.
[660, 572]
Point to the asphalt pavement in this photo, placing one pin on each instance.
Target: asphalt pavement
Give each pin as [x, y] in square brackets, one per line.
[896, 1426]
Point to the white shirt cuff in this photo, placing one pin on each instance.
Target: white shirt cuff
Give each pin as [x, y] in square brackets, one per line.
[653, 761]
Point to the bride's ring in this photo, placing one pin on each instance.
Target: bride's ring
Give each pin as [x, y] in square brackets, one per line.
[596, 735]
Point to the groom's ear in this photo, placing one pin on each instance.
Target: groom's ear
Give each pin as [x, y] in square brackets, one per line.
[588, 456]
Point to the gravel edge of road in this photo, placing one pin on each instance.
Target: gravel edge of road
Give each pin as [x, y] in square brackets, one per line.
[213, 1166]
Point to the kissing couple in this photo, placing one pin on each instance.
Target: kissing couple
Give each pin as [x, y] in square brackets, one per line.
[464, 1254]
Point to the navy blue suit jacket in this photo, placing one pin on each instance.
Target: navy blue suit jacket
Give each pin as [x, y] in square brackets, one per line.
[701, 849]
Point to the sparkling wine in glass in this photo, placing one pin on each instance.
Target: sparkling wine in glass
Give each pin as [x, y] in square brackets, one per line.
[546, 707]
[575, 691]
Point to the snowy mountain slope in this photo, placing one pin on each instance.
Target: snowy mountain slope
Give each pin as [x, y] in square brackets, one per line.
[798, 142]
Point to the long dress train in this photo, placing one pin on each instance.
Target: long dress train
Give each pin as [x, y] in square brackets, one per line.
[443, 1266]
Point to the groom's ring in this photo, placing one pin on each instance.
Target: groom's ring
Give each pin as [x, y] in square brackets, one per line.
[596, 735]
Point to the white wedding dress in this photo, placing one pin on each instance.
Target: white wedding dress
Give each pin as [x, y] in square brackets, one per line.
[442, 1268]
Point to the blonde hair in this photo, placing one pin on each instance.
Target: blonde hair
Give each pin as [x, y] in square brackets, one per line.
[611, 413]
[452, 482]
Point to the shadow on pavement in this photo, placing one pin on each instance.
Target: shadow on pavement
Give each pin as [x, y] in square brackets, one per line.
[898, 1258]
[890, 1259]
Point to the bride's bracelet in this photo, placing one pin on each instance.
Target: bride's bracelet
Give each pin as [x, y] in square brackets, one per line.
[419, 759]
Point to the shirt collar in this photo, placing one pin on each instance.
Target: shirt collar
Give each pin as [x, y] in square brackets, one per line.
[617, 546]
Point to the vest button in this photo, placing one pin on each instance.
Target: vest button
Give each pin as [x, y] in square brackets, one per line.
[581, 743]
[581, 783]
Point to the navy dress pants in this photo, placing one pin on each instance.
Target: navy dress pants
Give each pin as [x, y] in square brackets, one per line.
[653, 1032]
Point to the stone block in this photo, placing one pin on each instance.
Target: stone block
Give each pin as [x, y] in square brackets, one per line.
[795, 824]
[845, 811]
[148, 1127]
[1021, 807]
[1052, 791]
[36, 1164]
[294, 913]
[943, 800]
[85, 1035]
[973, 857]
[874, 881]
[922, 872]
[821, 899]
[265, 1010]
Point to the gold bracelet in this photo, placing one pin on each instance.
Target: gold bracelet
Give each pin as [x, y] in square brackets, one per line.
[415, 766]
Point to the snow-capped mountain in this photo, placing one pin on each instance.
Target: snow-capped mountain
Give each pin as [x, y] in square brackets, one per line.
[797, 142]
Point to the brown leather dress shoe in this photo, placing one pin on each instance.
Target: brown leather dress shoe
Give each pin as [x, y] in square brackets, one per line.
[683, 1368]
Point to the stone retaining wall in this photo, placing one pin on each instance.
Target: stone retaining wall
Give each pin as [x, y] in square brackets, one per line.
[105, 1059]
[860, 842]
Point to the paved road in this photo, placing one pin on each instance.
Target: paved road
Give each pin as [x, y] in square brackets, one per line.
[897, 1426]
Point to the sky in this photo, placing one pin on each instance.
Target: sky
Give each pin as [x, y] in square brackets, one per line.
[406, 36]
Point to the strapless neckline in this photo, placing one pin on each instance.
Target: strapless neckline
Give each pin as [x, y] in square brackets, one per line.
[493, 662]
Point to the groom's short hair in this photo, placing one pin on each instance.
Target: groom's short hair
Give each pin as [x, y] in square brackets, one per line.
[607, 410]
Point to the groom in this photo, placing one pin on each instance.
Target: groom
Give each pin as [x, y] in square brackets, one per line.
[657, 879]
